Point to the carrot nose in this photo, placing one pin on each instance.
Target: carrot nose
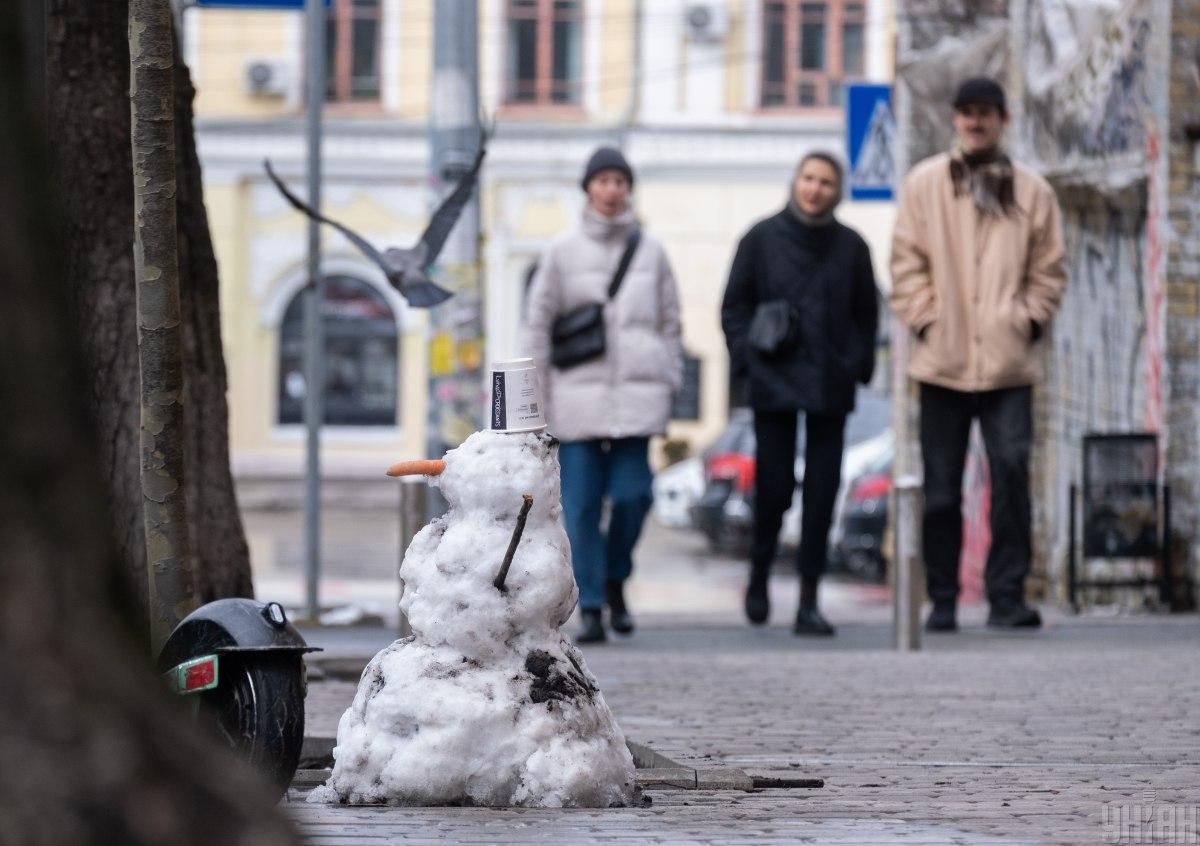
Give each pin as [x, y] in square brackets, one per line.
[418, 467]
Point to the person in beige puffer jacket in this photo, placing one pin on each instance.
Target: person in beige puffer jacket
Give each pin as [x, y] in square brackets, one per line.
[605, 410]
[977, 275]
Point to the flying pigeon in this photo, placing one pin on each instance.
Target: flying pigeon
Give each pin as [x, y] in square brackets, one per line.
[405, 269]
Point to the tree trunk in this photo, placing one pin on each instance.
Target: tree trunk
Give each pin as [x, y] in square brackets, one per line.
[92, 749]
[156, 275]
[88, 105]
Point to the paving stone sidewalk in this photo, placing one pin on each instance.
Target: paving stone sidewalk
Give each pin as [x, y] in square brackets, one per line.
[982, 737]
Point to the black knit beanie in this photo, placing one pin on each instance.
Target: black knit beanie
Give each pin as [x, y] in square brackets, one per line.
[982, 90]
[606, 158]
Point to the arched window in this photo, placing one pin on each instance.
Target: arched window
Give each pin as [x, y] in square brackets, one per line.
[360, 356]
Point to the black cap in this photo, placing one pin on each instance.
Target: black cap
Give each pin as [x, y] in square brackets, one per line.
[606, 158]
[981, 89]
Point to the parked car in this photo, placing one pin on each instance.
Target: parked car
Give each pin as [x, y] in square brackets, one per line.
[856, 542]
[725, 510]
[676, 489]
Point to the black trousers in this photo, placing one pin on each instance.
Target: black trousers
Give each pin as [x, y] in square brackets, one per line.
[1006, 421]
[775, 480]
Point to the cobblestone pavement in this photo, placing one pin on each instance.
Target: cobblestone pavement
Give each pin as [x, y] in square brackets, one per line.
[982, 737]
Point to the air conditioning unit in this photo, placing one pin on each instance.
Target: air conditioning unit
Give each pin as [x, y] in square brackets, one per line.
[706, 21]
[268, 77]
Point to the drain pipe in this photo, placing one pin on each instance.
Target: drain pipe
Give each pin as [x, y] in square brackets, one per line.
[634, 104]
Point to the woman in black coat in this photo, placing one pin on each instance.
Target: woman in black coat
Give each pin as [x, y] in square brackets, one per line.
[800, 316]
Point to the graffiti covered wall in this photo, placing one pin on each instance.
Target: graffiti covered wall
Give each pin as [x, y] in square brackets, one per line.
[1093, 101]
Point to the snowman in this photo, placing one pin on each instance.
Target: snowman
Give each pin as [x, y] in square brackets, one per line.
[487, 702]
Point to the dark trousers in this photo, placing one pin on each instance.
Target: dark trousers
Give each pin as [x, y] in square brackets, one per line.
[1006, 421]
[618, 469]
[775, 480]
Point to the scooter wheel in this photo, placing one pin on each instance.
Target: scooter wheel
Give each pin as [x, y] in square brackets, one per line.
[258, 708]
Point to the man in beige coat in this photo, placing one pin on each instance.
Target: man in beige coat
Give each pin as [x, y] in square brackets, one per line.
[977, 275]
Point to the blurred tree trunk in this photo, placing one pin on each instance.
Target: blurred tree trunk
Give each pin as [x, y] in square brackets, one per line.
[156, 272]
[88, 108]
[92, 748]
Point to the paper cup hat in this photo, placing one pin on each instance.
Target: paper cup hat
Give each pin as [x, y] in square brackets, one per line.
[516, 397]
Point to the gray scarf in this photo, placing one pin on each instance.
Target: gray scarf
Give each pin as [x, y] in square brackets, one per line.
[807, 219]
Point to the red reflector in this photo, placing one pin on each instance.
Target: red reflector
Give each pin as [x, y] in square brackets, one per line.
[199, 675]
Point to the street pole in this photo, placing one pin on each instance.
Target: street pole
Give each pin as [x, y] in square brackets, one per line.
[314, 346]
[457, 395]
[907, 581]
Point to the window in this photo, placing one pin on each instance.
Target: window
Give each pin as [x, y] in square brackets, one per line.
[360, 356]
[352, 50]
[809, 48]
[812, 36]
[853, 40]
[545, 48]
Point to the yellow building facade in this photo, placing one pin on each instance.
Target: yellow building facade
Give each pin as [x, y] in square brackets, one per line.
[713, 114]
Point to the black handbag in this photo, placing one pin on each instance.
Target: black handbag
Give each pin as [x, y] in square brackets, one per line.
[775, 328]
[578, 336]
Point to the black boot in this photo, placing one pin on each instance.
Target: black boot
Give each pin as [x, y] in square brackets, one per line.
[593, 626]
[1015, 616]
[758, 605]
[618, 614]
[942, 618]
[808, 619]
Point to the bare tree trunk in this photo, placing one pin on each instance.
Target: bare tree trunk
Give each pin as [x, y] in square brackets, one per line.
[88, 84]
[156, 272]
[92, 749]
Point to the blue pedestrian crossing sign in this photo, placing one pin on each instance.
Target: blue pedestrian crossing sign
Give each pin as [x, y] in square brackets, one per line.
[871, 141]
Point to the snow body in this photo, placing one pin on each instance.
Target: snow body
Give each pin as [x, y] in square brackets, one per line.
[487, 702]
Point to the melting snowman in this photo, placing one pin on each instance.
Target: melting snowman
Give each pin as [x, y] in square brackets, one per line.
[488, 702]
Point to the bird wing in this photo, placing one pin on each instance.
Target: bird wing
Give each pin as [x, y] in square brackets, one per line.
[438, 230]
[353, 237]
[424, 294]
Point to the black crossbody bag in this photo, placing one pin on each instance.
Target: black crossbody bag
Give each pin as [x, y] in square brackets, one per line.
[578, 335]
[775, 328]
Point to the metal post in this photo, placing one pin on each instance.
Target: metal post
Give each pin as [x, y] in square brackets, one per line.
[1167, 587]
[413, 516]
[1072, 573]
[457, 394]
[908, 587]
[314, 347]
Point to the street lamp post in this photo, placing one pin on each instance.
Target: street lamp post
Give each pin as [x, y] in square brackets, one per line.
[314, 346]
